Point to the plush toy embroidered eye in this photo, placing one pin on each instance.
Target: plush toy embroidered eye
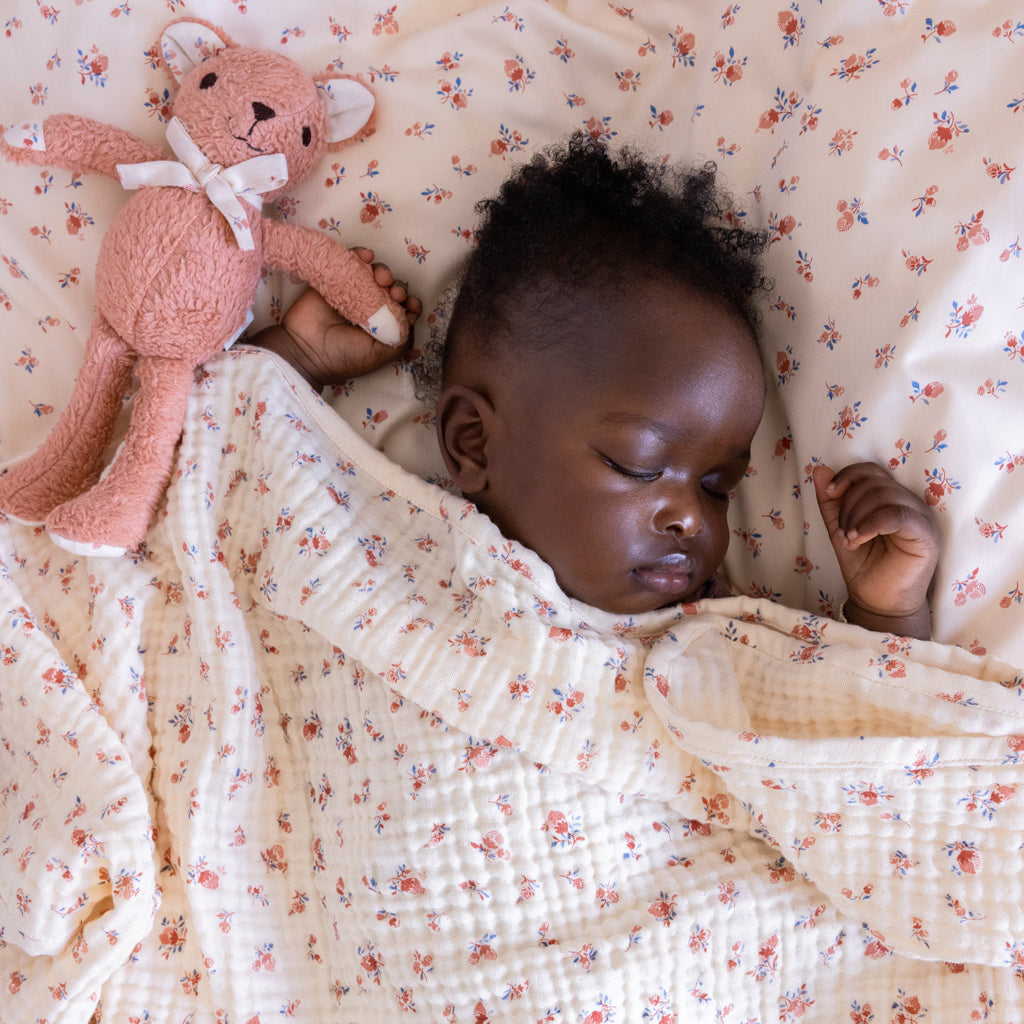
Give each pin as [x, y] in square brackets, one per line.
[179, 267]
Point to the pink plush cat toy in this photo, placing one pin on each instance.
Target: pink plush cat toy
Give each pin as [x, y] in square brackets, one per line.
[179, 266]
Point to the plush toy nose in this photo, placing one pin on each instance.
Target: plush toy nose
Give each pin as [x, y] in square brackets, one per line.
[262, 112]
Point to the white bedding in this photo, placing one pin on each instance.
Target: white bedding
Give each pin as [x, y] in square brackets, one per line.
[391, 769]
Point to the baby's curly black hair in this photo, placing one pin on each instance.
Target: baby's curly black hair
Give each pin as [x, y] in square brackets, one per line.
[577, 217]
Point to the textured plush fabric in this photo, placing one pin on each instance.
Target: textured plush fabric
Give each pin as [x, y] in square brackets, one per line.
[390, 767]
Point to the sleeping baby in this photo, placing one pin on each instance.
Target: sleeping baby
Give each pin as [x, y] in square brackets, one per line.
[600, 383]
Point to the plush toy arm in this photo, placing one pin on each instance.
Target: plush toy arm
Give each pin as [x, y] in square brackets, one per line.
[77, 144]
[344, 280]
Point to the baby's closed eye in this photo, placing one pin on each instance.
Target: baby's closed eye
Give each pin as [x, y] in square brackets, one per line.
[632, 472]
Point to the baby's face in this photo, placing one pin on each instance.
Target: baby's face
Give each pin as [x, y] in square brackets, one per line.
[613, 456]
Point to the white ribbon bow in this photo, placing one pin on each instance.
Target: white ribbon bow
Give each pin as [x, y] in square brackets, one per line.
[223, 185]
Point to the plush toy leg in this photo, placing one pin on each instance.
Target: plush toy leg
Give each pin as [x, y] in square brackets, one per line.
[69, 459]
[113, 516]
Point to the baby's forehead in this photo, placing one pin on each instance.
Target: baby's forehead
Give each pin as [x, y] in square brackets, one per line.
[656, 339]
[592, 321]
[620, 332]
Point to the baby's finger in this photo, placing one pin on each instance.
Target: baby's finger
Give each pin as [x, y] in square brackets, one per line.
[833, 492]
[830, 500]
[856, 477]
[859, 503]
[861, 488]
[399, 292]
[413, 308]
[382, 275]
[822, 477]
[898, 520]
[828, 503]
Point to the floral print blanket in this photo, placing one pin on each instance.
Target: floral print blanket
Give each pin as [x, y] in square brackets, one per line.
[331, 748]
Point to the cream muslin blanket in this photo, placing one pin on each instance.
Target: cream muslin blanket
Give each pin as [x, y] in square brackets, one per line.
[332, 749]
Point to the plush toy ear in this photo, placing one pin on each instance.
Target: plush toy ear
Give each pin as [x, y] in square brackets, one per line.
[187, 42]
[349, 106]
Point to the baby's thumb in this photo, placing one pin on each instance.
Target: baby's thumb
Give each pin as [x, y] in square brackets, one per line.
[828, 505]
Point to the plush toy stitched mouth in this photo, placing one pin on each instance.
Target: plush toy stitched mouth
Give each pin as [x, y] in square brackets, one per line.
[248, 135]
[242, 138]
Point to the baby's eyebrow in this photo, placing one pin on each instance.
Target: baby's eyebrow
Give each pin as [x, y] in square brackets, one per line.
[639, 420]
[663, 431]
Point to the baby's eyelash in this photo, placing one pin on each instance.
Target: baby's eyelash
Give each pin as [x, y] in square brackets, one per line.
[649, 476]
[633, 474]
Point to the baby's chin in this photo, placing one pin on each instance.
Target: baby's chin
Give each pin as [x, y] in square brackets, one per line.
[644, 600]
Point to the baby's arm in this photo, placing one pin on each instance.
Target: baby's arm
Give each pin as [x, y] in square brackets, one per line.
[887, 544]
[325, 348]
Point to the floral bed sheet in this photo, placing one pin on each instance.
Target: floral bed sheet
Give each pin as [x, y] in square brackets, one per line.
[879, 144]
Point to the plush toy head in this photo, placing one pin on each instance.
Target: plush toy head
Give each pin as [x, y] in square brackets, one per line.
[238, 102]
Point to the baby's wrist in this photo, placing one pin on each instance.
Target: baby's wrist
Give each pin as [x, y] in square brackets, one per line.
[279, 340]
[916, 624]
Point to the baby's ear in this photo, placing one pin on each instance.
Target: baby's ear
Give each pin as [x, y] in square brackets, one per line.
[349, 105]
[464, 417]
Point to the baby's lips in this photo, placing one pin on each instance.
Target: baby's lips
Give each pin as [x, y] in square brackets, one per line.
[672, 575]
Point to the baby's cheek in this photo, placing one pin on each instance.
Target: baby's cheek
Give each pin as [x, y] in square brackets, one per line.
[720, 540]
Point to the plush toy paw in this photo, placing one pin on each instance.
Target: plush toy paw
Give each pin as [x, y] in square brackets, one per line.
[26, 136]
[17, 511]
[387, 326]
[13, 517]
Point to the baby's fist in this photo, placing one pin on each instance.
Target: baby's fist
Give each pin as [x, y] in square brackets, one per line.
[887, 543]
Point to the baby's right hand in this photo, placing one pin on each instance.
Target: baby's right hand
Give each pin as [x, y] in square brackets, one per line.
[328, 349]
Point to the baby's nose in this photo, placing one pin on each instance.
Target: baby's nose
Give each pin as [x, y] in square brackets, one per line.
[680, 513]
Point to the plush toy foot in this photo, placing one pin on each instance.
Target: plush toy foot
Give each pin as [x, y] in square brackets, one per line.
[84, 548]
[10, 517]
[388, 326]
[97, 524]
[9, 512]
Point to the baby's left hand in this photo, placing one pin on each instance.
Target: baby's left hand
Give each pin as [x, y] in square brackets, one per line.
[887, 543]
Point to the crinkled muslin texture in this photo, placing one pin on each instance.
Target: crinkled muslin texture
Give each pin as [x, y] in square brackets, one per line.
[392, 768]
[250, 775]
